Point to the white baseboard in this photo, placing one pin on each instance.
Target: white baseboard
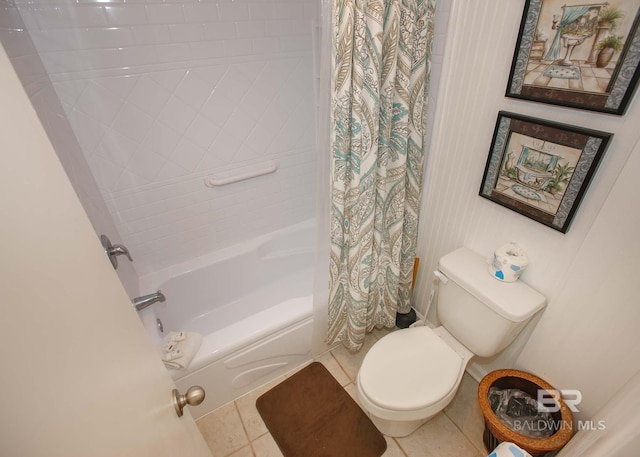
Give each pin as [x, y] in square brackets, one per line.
[476, 371]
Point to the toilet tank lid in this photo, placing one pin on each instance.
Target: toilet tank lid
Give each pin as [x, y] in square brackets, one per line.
[515, 301]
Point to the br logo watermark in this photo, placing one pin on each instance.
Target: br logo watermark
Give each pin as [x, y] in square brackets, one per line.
[549, 402]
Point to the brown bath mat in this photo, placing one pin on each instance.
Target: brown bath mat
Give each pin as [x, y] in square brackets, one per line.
[311, 415]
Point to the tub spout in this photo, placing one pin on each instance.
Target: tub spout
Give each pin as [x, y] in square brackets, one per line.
[141, 303]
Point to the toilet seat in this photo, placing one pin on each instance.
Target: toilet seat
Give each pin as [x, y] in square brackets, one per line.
[409, 370]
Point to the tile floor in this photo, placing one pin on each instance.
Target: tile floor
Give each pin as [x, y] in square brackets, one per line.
[236, 429]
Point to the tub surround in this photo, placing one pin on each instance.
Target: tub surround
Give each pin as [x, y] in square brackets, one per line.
[34, 78]
[252, 303]
[161, 96]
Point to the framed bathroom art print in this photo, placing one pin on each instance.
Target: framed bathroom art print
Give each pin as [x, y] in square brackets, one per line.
[578, 54]
[541, 169]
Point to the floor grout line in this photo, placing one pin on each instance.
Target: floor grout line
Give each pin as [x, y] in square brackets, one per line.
[400, 447]
[340, 365]
[468, 438]
[253, 450]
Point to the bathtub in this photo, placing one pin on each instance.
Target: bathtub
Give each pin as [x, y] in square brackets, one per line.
[251, 302]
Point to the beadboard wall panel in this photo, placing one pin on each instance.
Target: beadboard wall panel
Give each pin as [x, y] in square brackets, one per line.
[480, 42]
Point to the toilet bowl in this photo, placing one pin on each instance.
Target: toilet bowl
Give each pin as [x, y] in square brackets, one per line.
[410, 375]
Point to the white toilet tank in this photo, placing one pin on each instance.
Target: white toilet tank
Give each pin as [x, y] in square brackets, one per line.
[481, 312]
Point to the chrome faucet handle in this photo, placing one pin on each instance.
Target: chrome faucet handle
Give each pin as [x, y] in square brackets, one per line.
[119, 249]
[114, 250]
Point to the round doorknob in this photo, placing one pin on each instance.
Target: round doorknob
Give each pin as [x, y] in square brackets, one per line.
[193, 397]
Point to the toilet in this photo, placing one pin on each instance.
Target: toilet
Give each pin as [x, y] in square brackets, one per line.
[410, 375]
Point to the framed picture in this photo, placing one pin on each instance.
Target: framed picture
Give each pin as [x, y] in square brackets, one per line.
[578, 55]
[541, 169]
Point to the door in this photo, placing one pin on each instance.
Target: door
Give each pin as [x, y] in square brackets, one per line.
[79, 376]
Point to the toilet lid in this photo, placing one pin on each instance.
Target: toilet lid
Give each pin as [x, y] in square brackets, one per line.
[409, 369]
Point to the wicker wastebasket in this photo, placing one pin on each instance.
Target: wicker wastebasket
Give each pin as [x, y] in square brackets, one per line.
[496, 432]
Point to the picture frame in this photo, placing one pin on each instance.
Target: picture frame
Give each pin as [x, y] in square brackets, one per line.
[541, 169]
[560, 55]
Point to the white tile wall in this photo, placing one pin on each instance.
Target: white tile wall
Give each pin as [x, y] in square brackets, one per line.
[26, 61]
[162, 94]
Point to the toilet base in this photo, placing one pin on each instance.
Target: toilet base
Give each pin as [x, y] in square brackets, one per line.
[397, 429]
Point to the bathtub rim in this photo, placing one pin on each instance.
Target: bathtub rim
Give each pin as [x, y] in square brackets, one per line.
[154, 280]
[219, 344]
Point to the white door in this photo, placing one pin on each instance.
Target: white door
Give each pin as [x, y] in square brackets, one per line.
[78, 375]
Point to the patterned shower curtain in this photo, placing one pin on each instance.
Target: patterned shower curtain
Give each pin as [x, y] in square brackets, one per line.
[380, 75]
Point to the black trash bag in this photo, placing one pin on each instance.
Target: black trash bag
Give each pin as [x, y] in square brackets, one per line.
[520, 412]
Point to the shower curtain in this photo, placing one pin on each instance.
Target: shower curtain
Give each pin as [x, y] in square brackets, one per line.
[380, 75]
